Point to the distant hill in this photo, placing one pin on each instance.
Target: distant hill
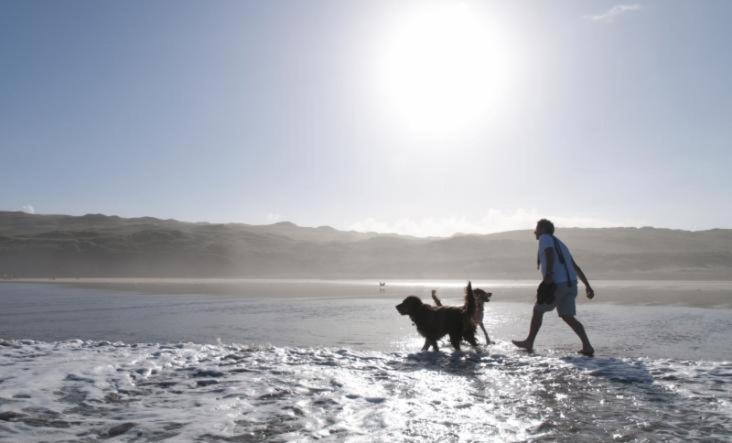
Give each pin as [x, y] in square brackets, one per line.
[96, 245]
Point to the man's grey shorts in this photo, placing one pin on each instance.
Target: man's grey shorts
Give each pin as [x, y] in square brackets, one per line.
[564, 300]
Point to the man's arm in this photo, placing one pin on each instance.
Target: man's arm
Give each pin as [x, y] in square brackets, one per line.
[581, 275]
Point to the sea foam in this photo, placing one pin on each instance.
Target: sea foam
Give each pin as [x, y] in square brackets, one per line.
[86, 390]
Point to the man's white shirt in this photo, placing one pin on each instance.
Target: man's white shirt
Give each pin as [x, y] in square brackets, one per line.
[560, 274]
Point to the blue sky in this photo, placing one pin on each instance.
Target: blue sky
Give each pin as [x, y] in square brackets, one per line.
[592, 113]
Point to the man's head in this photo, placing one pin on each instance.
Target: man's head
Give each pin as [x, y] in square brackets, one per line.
[543, 226]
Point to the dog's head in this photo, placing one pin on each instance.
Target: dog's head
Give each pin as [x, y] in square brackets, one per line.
[481, 295]
[409, 305]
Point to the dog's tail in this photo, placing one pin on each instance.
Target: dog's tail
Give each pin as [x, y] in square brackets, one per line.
[435, 298]
[469, 300]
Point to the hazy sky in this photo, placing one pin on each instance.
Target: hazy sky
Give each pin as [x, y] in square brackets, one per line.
[416, 117]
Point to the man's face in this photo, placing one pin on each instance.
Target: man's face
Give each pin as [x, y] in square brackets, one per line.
[537, 232]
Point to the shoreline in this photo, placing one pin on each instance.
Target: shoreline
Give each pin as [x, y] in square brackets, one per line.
[691, 293]
[393, 281]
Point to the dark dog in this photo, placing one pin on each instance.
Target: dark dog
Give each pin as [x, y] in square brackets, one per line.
[434, 322]
[481, 298]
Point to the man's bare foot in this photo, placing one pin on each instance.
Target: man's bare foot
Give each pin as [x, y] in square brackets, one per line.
[523, 344]
[587, 352]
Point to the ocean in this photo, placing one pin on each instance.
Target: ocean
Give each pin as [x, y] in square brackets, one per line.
[307, 360]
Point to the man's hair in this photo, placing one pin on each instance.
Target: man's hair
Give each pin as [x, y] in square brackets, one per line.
[546, 226]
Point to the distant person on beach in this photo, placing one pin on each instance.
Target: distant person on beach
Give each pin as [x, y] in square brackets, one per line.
[558, 268]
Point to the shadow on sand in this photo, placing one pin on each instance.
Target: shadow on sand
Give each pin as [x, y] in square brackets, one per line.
[613, 369]
[464, 363]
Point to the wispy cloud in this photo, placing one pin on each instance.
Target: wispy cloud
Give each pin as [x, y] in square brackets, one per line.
[273, 217]
[611, 14]
[493, 221]
[28, 209]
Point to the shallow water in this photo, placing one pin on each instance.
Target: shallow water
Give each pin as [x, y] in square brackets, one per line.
[84, 363]
[340, 315]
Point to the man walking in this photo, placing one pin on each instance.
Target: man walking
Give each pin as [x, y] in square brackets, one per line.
[558, 267]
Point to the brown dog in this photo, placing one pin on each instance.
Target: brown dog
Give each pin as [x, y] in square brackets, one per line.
[434, 322]
[481, 298]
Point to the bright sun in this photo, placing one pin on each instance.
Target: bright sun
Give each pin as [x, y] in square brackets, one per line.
[443, 70]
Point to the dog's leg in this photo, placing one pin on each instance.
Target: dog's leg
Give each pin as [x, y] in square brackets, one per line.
[468, 334]
[434, 346]
[427, 344]
[455, 338]
[487, 340]
[471, 339]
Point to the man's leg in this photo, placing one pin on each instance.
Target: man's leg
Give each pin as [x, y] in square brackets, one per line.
[580, 331]
[536, 320]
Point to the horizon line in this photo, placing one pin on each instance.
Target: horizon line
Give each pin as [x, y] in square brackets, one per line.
[388, 233]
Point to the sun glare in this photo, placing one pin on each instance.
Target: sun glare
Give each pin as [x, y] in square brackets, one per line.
[443, 69]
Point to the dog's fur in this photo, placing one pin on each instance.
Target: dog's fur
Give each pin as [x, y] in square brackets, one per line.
[434, 322]
[481, 298]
